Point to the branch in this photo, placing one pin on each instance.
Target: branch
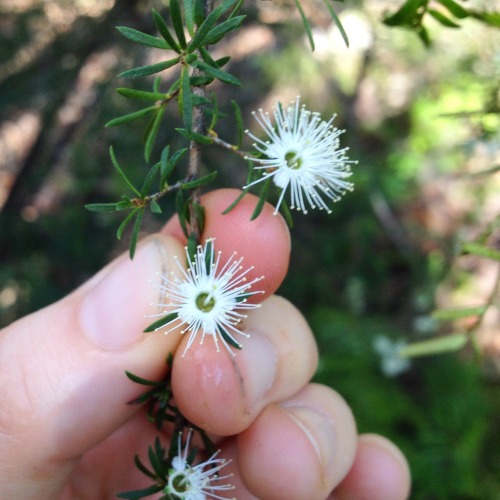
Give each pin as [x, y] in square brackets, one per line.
[199, 126]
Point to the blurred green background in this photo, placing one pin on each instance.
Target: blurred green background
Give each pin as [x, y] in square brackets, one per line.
[423, 122]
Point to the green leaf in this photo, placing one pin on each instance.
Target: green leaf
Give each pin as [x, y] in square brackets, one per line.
[181, 207]
[489, 18]
[176, 16]
[143, 468]
[200, 215]
[222, 61]
[215, 112]
[199, 100]
[150, 69]
[424, 35]
[209, 255]
[104, 207]
[185, 99]
[189, 15]
[162, 27]
[481, 251]
[454, 8]
[205, 54]
[155, 207]
[226, 5]
[174, 87]
[287, 214]
[441, 18]
[143, 38]
[231, 341]
[306, 23]
[200, 80]
[203, 30]
[192, 245]
[407, 15]
[124, 203]
[236, 201]
[439, 345]
[262, 199]
[165, 168]
[237, 8]
[159, 323]
[194, 136]
[239, 122]
[337, 22]
[457, 313]
[124, 224]
[156, 84]
[199, 15]
[135, 232]
[216, 33]
[168, 165]
[153, 132]
[140, 380]
[149, 179]
[130, 117]
[157, 460]
[146, 492]
[121, 173]
[140, 94]
[221, 75]
[202, 181]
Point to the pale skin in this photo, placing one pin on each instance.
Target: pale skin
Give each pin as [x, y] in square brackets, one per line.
[66, 432]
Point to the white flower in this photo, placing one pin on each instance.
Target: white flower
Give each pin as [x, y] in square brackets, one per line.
[392, 362]
[196, 482]
[302, 152]
[209, 296]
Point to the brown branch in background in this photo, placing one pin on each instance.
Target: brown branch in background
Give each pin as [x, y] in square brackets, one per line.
[195, 161]
[194, 168]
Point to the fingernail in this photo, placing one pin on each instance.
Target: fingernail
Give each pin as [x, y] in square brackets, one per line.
[113, 311]
[318, 428]
[259, 369]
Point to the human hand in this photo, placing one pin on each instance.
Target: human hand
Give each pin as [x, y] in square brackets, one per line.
[66, 432]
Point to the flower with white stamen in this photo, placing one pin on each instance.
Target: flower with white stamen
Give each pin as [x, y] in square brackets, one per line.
[209, 297]
[302, 153]
[196, 482]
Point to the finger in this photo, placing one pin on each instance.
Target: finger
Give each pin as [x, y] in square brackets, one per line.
[62, 377]
[298, 449]
[379, 472]
[263, 242]
[222, 393]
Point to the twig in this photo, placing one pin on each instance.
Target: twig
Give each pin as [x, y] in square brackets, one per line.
[199, 126]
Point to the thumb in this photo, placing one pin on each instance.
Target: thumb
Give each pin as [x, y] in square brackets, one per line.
[62, 380]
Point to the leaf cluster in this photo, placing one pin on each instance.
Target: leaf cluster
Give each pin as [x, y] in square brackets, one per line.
[141, 198]
[449, 13]
[161, 409]
[197, 67]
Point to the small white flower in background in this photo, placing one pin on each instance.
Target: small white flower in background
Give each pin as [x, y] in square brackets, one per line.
[392, 362]
[196, 482]
[302, 153]
[209, 297]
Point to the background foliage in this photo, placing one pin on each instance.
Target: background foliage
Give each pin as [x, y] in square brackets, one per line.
[421, 118]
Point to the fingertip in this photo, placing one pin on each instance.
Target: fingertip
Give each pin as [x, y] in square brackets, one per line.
[379, 472]
[300, 448]
[275, 458]
[206, 387]
[264, 242]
